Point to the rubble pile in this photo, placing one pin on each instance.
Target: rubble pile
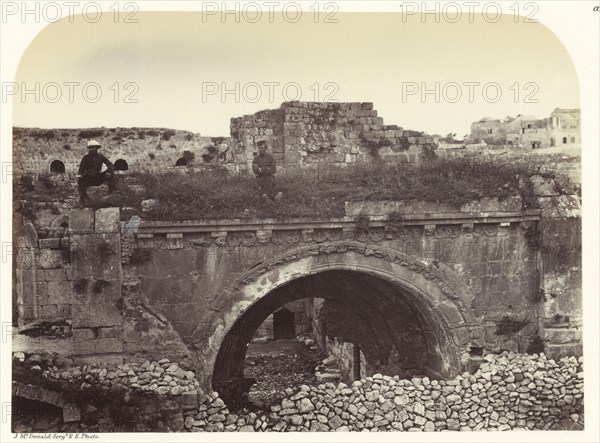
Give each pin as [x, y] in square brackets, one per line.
[509, 392]
[273, 373]
[162, 377]
[159, 377]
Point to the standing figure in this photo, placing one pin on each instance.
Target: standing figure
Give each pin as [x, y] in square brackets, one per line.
[263, 166]
[89, 172]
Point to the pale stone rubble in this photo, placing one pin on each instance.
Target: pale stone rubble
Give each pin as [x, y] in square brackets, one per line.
[508, 392]
[161, 377]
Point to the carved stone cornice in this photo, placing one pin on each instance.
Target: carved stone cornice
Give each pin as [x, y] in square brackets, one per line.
[342, 247]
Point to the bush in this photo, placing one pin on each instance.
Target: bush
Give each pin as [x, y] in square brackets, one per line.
[91, 133]
[45, 135]
[167, 135]
[151, 156]
[67, 147]
[189, 156]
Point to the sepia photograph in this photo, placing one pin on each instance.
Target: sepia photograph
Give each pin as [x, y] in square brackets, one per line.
[311, 216]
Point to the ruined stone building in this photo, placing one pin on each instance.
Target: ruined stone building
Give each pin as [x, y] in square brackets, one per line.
[563, 127]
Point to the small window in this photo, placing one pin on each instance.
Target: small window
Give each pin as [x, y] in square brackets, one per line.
[490, 130]
[57, 167]
[564, 140]
[121, 165]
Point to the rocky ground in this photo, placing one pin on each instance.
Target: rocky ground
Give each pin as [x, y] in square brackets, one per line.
[277, 366]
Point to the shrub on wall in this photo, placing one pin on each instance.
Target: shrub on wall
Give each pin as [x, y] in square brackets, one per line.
[91, 133]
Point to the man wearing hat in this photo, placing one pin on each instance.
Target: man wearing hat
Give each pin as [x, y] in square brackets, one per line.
[263, 166]
[89, 171]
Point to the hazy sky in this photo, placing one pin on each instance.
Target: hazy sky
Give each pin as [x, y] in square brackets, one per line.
[172, 62]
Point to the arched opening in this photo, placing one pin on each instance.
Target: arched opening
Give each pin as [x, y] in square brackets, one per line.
[378, 325]
[181, 162]
[57, 167]
[121, 165]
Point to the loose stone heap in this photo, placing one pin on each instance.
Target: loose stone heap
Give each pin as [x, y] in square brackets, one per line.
[162, 377]
[509, 391]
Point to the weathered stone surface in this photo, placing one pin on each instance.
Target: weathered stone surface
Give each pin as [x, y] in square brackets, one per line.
[107, 220]
[543, 187]
[81, 220]
[148, 205]
[49, 258]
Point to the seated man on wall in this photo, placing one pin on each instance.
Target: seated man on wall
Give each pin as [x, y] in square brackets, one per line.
[89, 172]
[263, 166]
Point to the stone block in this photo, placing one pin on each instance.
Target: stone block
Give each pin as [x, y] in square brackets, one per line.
[42, 293]
[562, 350]
[562, 336]
[83, 334]
[49, 258]
[175, 241]
[54, 275]
[106, 360]
[107, 220]
[95, 256]
[56, 311]
[60, 292]
[28, 275]
[292, 157]
[96, 315]
[81, 220]
[98, 346]
[49, 243]
[71, 413]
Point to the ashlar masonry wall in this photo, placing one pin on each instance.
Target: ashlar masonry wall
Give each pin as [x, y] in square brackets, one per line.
[305, 133]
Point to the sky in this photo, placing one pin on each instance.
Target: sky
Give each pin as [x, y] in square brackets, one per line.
[178, 70]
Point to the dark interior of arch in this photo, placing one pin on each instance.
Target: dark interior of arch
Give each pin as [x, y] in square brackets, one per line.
[57, 167]
[121, 165]
[393, 327]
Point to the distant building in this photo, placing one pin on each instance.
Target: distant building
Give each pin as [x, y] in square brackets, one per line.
[563, 127]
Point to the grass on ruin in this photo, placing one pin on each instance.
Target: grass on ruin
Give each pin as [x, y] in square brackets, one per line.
[317, 193]
[322, 193]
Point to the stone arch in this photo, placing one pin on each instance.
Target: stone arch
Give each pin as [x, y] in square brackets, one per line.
[181, 162]
[429, 290]
[57, 167]
[121, 165]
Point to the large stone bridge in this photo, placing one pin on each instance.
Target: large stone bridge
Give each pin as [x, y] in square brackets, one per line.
[413, 285]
